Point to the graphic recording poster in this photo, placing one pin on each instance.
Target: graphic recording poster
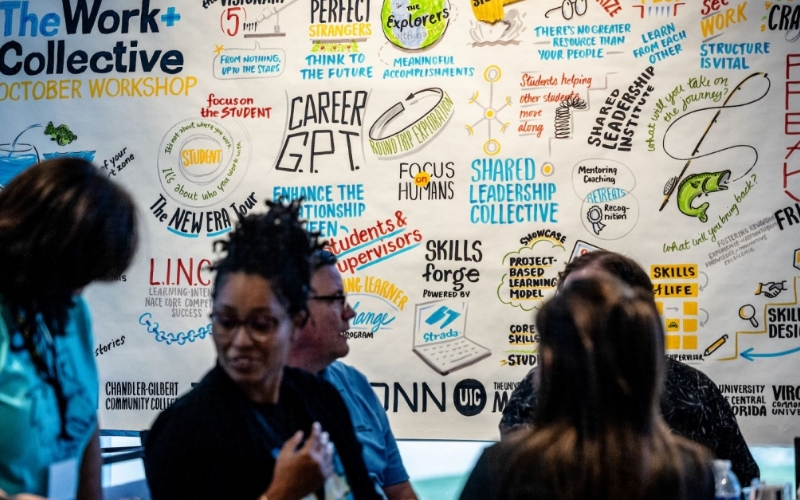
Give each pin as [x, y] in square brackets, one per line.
[456, 155]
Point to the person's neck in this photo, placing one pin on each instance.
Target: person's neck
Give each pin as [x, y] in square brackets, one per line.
[307, 361]
[261, 392]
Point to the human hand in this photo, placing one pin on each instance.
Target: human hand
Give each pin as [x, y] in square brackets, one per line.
[299, 472]
[20, 496]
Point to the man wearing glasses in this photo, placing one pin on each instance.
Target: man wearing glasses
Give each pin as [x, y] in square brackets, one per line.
[319, 344]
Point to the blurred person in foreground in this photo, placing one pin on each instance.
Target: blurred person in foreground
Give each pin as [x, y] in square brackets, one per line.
[597, 434]
[691, 404]
[319, 344]
[239, 434]
[63, 225]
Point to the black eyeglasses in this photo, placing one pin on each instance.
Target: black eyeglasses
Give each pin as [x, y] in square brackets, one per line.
[568, 7]
[259, 327]
[338, 298]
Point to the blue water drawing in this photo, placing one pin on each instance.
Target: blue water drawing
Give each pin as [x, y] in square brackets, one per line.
[17, 156]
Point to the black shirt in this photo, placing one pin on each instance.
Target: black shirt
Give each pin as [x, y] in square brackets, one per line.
[214, 443]
[691, 404]
[484, 481]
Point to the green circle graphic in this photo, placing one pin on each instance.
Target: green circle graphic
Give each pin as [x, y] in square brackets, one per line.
[414, 24]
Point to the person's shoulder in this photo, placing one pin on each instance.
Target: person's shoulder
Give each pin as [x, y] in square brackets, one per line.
[79, 307]
[80, 319]
[518, 412]
[686, 467]
[195, 421]
[695, 459]
[345, 372]
[321, 398]
[203, 402]
[298, 376]
[684, 376]
[483, 481]
[5, 336]
[497, 454]
[303, 381]
[184, 409]
[680, 368]
[689, 450]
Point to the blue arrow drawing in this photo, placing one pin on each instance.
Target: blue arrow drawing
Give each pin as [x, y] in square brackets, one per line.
[749, 355]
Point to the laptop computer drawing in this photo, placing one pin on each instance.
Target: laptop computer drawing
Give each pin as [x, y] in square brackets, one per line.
[440, 336]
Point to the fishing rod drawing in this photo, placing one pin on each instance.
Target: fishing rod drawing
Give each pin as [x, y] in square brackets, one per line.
[672, 184]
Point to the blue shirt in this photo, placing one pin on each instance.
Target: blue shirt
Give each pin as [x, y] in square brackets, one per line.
[381, 456]
[30, 421]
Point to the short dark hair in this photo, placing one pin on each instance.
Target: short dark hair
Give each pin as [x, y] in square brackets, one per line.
[274, 246]
[63, 225]
[322, 258]
[623, 268]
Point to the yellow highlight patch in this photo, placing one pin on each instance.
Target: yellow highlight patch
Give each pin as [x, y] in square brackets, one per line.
[339, 30]
[422, 179]
[672, 325]
[689, 325]
[690, 341]
[690, 308]
[675, 290]
[674, 271]
[672, 342]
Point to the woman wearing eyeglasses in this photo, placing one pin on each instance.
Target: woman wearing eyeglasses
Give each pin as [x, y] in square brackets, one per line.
[254, 429]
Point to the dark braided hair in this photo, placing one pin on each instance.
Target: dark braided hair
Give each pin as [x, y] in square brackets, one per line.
[274, 246]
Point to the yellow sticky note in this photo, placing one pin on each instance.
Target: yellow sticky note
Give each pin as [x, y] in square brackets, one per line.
[672, 342]
[422, 179]
[690, 341]
[689, 325]
[672, 325]
[690, 308]
[660, 307]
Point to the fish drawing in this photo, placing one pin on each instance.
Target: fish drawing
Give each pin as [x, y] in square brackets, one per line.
[700, 184]
[61, 134]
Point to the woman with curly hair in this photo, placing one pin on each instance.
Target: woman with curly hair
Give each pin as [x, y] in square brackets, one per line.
[63, 225]
[239, 433]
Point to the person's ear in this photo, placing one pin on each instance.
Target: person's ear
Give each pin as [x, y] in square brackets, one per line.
[547, 358]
